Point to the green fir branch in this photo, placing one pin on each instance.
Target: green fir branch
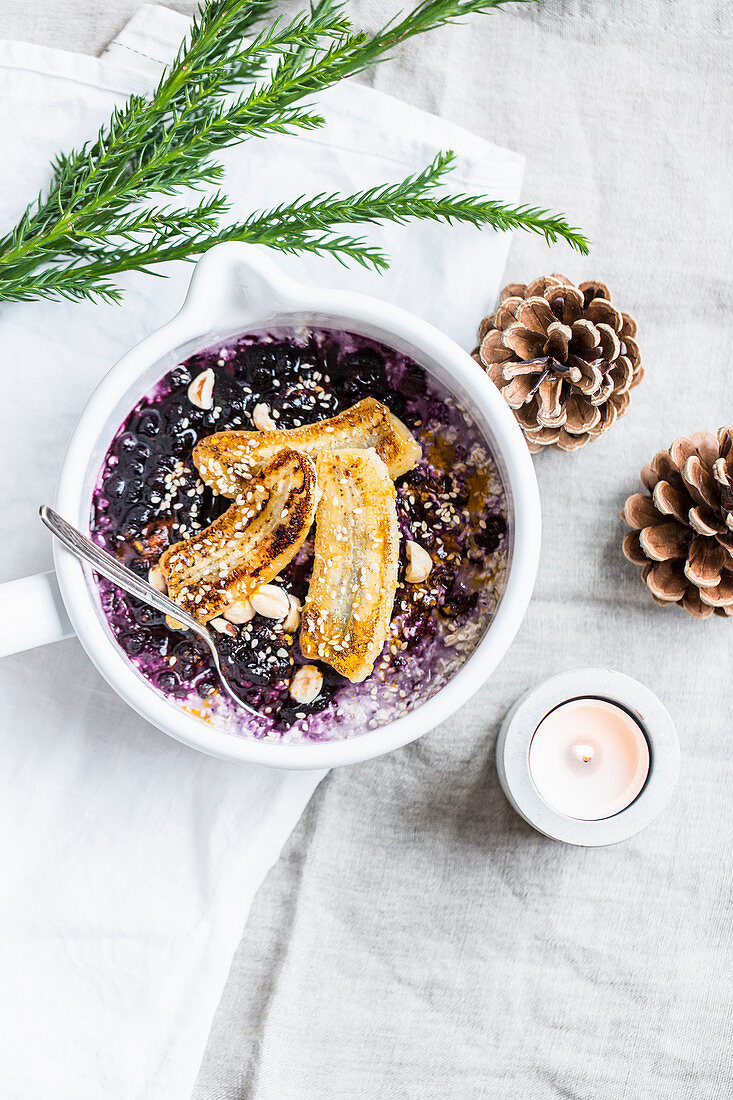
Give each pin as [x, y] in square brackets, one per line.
[232, 79]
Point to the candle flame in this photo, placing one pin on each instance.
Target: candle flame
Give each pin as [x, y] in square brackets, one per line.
[584, 753]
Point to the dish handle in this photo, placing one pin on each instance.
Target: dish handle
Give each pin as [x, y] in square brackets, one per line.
[32, 613]
[237, 284]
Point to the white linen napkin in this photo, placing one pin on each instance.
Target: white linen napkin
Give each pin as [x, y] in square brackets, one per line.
[128, 862]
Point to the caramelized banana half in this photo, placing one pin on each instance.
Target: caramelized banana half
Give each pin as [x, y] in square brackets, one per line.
[228, 460]
[349, 603]
[250, 544]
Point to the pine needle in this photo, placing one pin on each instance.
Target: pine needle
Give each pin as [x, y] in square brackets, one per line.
[237, 76]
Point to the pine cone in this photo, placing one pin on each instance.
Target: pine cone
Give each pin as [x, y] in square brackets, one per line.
[563, 357]
[683, 532]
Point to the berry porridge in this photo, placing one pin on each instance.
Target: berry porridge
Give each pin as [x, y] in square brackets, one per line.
[448, 513]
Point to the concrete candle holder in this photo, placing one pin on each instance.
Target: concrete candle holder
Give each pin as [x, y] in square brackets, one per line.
[515, 770]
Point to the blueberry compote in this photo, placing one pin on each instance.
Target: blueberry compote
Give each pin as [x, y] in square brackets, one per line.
[149, 495]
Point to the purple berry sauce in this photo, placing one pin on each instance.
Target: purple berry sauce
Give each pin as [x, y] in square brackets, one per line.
[149, 495]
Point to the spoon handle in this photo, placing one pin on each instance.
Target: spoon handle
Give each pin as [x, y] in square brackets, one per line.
[113, 570]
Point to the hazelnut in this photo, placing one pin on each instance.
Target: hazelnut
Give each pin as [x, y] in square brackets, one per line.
[271, 601]
[156, 579]
[201, 390]
[241, 611]
[261, 418]
[419, 563]
[306, 684]
[292, 619]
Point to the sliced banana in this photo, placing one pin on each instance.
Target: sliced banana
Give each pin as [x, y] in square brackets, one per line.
[349, 604]
[228, 460]
[247, 546]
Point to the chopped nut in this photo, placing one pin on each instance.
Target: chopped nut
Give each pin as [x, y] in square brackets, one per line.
[271, 601]
[306, 685]
[419, 563]
[240, 612]
[201, 390]
[156, 579]
[261, 418]
[221, 626]
[292, 620]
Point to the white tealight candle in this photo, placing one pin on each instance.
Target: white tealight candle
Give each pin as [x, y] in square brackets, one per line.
[589, 759]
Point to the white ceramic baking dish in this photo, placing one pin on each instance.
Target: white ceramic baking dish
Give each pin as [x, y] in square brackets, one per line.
[237, 288]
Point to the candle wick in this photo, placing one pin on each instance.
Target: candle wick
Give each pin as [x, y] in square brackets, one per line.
[584, 753]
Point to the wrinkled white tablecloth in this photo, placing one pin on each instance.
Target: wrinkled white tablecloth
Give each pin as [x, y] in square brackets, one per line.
[129, 862]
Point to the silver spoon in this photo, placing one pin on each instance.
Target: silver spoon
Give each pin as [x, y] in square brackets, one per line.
[120, 575]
